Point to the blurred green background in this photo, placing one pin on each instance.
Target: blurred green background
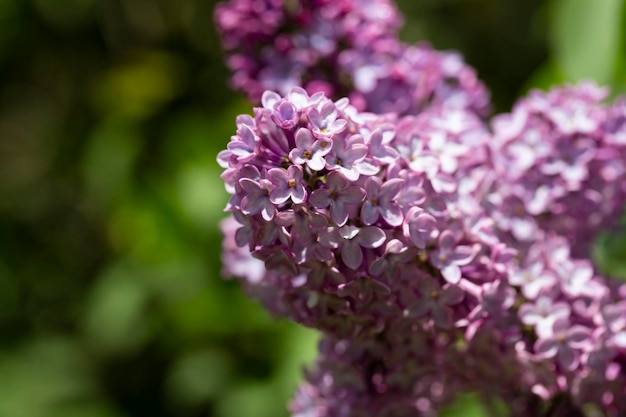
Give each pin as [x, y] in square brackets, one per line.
[111, 115]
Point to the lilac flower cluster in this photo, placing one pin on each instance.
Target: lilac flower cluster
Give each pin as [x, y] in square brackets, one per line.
[342, 48]
[556, 335]
[364, 227]
[338, 207]
[410, 375]
[560, 165]
[578, 324]
[432, 250]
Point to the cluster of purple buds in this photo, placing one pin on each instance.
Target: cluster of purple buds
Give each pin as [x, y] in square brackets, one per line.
[342, 48]
[363, 226]
[559, 164]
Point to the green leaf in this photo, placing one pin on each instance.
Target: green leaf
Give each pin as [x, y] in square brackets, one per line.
[543, 78]
[43, 374]
[198, 376]
[251, 400]
[585, 38]
[471, 405]
[115, 319]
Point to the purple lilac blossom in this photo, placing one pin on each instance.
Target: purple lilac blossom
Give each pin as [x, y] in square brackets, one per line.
[342, 48]
[310, 151]
[543, 313]
[380, 201]
[422, 307]
[558, 161]
[420, 227]
[447, 145]
[564, 342]
[571, 364]
[573, 331]
[406, 375]
[340, 216]
[338, 196]
[436, 301]
[450, 256]
[351, 241]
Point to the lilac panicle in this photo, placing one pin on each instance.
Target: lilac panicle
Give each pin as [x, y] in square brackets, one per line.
[366, 247]
[387, 239]
[275, 45]
[341, 48]
[310, 219]
[571, 337]
[559, 165]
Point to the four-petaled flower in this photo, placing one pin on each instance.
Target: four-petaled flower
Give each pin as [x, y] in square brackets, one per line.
[615, 320]
[449, 257]
[420, 227]
[245, 146]
[324, 121]
[339, 195]
[345, 157]
[310, 151]
[533, 279]
[436, 301]
[257, 198]
[396, 253]
[543, 313]
[351, 240]
[576, 278]
[379, 147]
[564, 342]
[286, 184]
[304, 223]
[380, 201]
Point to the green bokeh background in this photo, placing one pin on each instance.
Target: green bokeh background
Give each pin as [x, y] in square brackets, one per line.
[111, 116]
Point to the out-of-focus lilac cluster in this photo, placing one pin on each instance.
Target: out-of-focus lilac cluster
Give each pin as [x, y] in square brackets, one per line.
[412, 375]
[370, 229]
[578, 326]
[559, 165]
[342, 48]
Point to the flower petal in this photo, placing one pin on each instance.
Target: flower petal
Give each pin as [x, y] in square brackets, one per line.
[352, 254]
[371, 237]
[451, 273]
